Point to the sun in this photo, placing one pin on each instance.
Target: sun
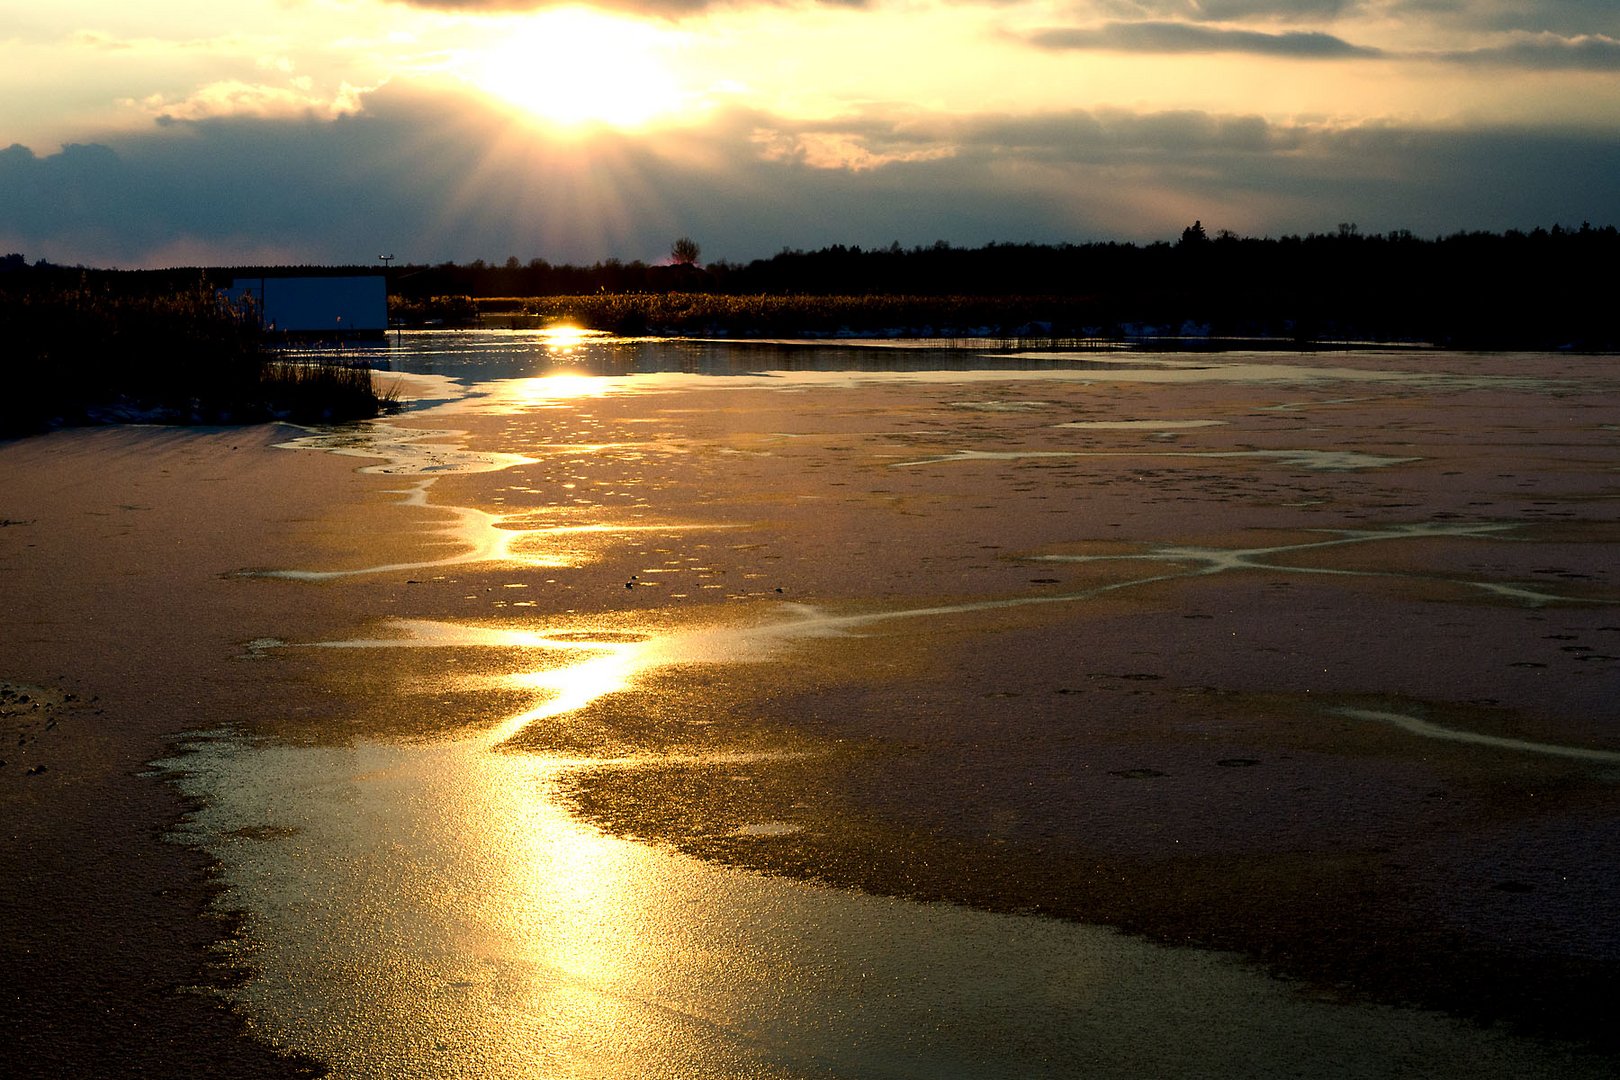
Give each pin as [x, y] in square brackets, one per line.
[574, 67]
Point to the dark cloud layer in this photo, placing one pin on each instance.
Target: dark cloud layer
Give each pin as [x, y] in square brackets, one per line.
[1566, 17]
[1570, 18]
[1179, 37]
[1538, 52]
[430, 179]
[1546, 53]
[1232, 10]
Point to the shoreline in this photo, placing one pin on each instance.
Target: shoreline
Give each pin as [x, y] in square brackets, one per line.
[111, 956]
[111, 947]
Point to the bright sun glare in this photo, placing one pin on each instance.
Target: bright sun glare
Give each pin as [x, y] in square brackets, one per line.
[566, 337]
[575, 67]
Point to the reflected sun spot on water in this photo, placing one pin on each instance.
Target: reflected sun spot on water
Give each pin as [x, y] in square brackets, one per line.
[565, 337]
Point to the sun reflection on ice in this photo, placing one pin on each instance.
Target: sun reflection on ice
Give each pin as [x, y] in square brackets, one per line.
[565, 892]
[611, 668]
[476, 535]
[433, 908]
[588, 664]
[543, 392]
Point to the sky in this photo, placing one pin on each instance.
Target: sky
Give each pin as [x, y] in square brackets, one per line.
[333, 131]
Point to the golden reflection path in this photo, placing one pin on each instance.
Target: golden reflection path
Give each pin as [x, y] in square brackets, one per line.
[434, 910]
[595, 664]
[477, 536]
[481, 537]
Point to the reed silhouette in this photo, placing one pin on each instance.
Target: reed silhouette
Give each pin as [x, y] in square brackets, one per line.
[98, 348]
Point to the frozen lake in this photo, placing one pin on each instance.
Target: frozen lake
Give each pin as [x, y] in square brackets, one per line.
[692, 709]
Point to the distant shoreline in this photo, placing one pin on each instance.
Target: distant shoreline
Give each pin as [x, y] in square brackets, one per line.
[1542, 289]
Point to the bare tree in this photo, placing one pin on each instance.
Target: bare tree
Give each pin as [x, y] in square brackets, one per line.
[684, 252]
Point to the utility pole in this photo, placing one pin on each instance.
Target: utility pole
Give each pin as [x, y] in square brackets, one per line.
[385, 260]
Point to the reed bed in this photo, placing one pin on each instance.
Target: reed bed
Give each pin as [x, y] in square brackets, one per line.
[78, 354]
[678, 314]
[324, 390]
[710, 314]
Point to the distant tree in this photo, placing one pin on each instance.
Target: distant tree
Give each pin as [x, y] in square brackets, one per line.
[684, 252]
[512, 263]
[1194, 234]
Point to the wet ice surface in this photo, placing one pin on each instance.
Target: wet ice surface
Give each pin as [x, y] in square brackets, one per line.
[431, 911]
[612, 662]
[1308, 459]
[406, 451]
[1427, 730]
[432, 907]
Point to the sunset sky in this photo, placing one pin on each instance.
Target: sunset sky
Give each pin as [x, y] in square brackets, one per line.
[330, 131]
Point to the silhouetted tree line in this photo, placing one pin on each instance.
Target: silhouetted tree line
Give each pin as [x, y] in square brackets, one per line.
[1543, 288]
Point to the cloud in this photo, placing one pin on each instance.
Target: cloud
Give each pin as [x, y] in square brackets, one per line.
[1232, 10]
[1569, 18]
[658, 8]
[1564, 17]
[1531, 52]
[96, 40]
[1188, 10]
[433, 177]
[233, 97]
[1545, 52]
[1180, 37]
